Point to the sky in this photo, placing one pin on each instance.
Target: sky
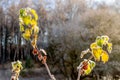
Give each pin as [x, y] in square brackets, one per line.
[109, 2]
[94, 3]
[51, 3]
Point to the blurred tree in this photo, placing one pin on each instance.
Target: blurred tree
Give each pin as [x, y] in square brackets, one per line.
[73, 28]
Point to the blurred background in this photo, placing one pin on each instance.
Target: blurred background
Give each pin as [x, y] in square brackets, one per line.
[67, 27]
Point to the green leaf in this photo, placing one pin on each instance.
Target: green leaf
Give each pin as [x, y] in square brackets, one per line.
[92, 64]
[102, 40]
[99, 41]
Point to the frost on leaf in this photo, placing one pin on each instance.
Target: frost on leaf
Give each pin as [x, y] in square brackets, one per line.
[84, 53]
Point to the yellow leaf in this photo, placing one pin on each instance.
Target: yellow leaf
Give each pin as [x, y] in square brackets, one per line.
[17, 66]
[93, 45]
[33, 23]
[34, 41]
[36, 29]
[97, 53]
[104, 56]
[26, 20]
[21, 28]
[27, 34]
[109, 48]
[34, 14]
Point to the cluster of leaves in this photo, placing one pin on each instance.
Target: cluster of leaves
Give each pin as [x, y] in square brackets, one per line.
[28, 25]
[16, 68]
[97, 48]
[98, 53]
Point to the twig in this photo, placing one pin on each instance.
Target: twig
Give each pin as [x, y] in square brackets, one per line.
[48, 70]
[44, 62]
[79, 74]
